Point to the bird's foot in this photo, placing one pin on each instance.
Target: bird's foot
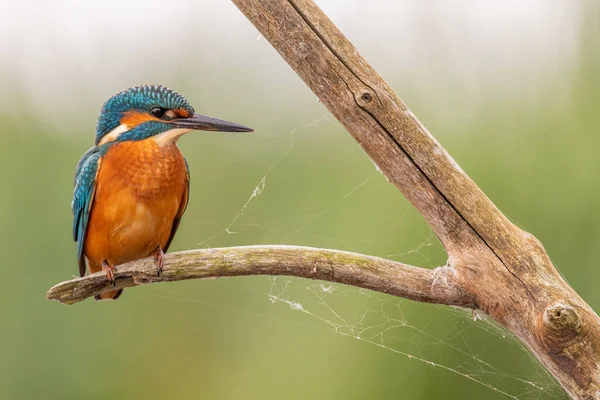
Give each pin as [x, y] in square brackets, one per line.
[110, 272]
[158, 260]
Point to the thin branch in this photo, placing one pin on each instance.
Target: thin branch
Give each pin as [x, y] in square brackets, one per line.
[493, 265]
[374, 273]
[507, 269]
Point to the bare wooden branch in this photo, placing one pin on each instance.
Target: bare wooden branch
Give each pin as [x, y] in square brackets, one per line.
[505, 268]
[374, 273]
[493, 265]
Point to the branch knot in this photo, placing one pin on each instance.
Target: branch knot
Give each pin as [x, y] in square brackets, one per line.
[562, 327]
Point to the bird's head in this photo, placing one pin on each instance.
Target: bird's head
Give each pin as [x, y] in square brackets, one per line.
[153, 110]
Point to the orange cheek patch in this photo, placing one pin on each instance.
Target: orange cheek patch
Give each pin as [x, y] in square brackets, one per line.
[134, 118]
[182, 113]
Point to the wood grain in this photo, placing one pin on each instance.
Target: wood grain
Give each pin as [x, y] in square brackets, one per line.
[506, 269]
[493, 265]
[374, 273]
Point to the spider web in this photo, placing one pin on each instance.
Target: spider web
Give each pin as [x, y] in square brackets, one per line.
[385, 322]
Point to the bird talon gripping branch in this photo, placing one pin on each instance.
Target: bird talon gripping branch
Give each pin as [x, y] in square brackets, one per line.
[110, 272]
[158, 260]
[132, 186]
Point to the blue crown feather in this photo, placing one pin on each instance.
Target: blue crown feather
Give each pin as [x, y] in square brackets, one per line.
[142, 98]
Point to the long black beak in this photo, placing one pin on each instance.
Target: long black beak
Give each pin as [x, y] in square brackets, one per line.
[204, 123]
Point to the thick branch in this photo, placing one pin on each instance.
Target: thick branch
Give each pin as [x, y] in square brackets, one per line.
[506, 268]
[493, 264]
[431, 286]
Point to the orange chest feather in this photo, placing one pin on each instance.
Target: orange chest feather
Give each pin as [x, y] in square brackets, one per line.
[140, 189]
[143, 170]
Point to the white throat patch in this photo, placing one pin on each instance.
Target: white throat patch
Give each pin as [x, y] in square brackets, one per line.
[161, 139]
[114, 134]
[169, 136]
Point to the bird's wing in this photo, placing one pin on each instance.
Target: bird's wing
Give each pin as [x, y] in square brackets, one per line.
[182, 207]
[83, 198]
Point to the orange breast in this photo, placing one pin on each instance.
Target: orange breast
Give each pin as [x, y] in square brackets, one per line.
[140, 190]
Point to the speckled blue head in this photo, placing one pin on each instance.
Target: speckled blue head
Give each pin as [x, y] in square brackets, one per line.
[144, 111]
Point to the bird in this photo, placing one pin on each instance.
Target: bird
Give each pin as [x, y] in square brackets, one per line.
[132, 187]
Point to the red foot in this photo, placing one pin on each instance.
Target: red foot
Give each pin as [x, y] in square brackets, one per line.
[158, 260]
[110, 272]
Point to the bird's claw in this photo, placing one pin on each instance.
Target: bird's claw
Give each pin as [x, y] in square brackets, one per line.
[158, 260]
[110, 272]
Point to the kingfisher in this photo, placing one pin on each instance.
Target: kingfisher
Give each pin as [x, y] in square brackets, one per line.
[132, 186]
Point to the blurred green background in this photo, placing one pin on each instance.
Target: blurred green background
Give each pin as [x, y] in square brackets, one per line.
[510, 88]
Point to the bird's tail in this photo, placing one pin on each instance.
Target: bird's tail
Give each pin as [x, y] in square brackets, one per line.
[110, 295]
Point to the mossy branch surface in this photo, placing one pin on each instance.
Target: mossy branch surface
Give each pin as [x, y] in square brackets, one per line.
[493, 265]
[374, 273]
[505, 268]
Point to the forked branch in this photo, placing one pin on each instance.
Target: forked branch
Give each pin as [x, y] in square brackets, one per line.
[505, 268]
[374, 273]
[493, 265]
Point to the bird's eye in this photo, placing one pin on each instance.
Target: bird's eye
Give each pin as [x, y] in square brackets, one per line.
[158, 112]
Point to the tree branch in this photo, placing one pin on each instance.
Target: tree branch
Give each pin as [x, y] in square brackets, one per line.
[492, 264]
[506, 269]
[373, 273]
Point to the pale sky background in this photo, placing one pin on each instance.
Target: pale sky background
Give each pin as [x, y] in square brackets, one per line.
[64, 54]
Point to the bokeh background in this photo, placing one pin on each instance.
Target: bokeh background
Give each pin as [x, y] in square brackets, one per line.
[511, 89]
